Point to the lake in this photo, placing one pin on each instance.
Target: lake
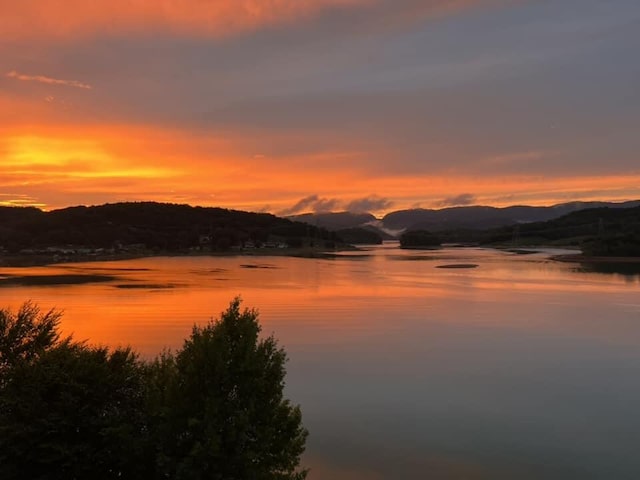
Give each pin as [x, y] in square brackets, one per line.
[521, 367]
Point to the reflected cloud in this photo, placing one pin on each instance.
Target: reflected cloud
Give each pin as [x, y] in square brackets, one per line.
[456, 356]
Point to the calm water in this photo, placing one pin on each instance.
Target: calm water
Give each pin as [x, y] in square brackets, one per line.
[520, 368]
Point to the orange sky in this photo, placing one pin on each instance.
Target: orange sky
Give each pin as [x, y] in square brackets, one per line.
[256, 104]
[79, 18]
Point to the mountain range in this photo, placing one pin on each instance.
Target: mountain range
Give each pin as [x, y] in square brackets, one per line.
[469, 217]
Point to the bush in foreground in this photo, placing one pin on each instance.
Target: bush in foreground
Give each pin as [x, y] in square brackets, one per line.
[214, 410]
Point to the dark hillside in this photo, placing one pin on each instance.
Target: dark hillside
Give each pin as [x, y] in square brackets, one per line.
[149, 225]
[599, 231]
[482, 217]
[334, 220]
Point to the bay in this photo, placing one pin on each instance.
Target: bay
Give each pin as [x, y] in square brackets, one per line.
[520, 367]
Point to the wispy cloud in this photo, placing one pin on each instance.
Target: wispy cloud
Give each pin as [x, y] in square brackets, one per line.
[458, 200]
[317, 204]
[369, 204]
[47, 80]
[19, 200]
[312, 203]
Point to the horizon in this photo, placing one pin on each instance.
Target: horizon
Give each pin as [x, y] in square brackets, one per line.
[290, 107]
[334, 212]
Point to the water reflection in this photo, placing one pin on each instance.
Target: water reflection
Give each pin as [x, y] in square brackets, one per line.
[519, 368]
[630, 272]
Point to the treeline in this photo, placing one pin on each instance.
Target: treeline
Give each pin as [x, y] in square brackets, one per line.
[613, 245]
[215, 409]
[154, 226]
[597, 231]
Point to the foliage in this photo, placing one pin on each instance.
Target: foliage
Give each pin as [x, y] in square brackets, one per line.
[25, 335]
[418, 239]
[613, 245]
[214, 410]
[73, 412]
[223, 398]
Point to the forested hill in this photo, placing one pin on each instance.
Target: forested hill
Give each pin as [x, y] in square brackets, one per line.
[484, 217]
[598, 231]
[150, 225]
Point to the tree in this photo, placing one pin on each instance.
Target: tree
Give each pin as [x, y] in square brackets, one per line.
[67, 410]
[26, 334]
[74, 412]
[215, 410]
[221, 406]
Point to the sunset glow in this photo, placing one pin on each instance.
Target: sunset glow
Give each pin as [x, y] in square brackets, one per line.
[317, 105]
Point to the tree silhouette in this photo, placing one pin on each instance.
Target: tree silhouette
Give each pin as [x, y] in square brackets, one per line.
[214, 410]
[223, 409]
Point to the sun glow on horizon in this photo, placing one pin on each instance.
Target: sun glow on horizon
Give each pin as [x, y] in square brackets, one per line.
[65, 167]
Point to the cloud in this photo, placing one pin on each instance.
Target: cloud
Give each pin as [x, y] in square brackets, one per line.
[519, 157]
[369, 204]
[19, 200]
[71, 18]
[400, 13]
[317, 204]
[458, 200]
[312, 203]
[47, 80]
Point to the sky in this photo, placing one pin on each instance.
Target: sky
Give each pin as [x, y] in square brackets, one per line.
[292, 106]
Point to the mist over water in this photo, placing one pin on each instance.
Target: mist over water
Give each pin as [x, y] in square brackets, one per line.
[519, 368]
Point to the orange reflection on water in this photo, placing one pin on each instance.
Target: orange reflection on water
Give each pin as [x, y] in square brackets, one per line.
[507, 351]
[152, 303]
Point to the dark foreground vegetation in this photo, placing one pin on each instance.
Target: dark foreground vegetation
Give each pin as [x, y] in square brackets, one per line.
[213, 410]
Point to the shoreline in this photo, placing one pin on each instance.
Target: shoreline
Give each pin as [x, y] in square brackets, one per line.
[25, 261]
[580, 258]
